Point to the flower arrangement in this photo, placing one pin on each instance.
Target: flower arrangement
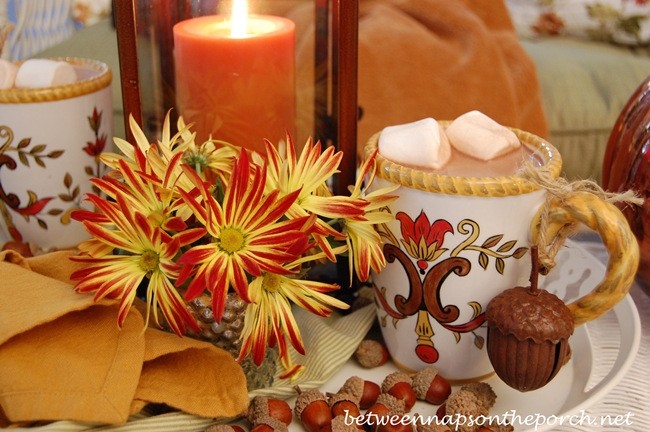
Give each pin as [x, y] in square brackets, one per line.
[214, 217]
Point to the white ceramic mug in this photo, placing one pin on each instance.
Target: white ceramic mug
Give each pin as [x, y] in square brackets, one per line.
[457, 242]
[50, 142]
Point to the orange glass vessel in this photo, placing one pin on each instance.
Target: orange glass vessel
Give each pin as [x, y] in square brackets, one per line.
[626, 165]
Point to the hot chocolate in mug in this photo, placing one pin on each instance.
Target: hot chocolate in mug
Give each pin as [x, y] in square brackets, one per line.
[457, 242]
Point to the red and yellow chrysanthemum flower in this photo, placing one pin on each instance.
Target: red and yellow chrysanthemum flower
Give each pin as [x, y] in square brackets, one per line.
[248, 234]
[363, 240]
[269, 319]
[146, 252]
[212, 160]
[308, 174]
[260, 223]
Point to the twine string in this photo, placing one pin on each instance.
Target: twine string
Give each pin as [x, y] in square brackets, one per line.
[560, 189]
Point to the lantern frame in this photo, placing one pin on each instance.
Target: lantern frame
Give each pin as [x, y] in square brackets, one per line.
[335, 91]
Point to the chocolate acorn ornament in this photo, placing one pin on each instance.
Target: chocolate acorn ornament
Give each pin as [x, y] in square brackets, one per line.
[528, 332]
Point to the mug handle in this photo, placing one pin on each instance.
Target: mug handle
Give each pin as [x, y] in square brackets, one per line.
[622, 247]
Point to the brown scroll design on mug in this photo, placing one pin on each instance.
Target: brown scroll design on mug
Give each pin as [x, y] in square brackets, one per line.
[424, 295]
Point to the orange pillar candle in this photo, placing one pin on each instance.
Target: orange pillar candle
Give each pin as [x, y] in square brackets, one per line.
[237, 89]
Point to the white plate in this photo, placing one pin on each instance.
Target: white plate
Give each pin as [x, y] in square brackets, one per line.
[570, 392]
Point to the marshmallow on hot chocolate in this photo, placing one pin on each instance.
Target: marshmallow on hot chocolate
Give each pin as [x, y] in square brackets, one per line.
[41, 73]
[7, 74]
[477, 135]
[420, 144]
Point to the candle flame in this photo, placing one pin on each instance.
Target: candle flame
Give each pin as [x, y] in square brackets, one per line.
[239, 19]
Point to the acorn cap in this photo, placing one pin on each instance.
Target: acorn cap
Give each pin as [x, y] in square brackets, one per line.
[353, 386]
[464, 402]
[432, 426]
[422, 381]
[393, 379]
[495, 426]
[369, 353]
[339, 425]
[338, 397]
[305, 398]
[526, 314]
[394, 405]
[273, 423]
[220, 428]
[258, 408]
[483, 392]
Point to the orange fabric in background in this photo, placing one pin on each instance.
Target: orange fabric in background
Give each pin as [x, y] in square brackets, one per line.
[430, 58]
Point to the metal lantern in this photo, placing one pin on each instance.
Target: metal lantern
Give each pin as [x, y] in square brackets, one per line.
[335, 107]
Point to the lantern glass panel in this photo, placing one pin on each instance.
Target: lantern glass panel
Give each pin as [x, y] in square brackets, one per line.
[159, 72]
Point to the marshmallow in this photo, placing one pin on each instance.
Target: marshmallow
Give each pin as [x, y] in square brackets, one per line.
[477, 135]
[7, 74]
[41, 73]
[420, 144]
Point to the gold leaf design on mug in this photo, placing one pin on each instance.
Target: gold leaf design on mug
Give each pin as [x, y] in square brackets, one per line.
[472, 230]
[421, 240]
[477, 309]
[500, 265]
[479, 341]
[507, 246]
[10, 202]
[492, 241]
[72, 196]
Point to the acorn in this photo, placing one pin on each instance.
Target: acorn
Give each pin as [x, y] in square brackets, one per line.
[365, 392]
[386, 405]
[371, 353]
[495, 426]
[483, 392]
[269, 424]
[17, 246]
[262, 406]
[528, 332]
[313, 410]
[398, 384]
[344, 404]
[441, 411]
[465, 403]
[430, 386]
[339, 424]
[224, 428]
[430, 426]
[371, 392]
[397, 424]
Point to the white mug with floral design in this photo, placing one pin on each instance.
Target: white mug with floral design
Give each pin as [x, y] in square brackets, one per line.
[457, 242]
[50, 142]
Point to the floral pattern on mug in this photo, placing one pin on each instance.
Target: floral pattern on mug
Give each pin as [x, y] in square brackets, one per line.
[35, 207]
[423, 242]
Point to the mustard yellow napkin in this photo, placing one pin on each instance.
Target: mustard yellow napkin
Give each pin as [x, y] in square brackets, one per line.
[62, 356]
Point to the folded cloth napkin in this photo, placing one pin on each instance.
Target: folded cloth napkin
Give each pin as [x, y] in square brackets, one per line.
[429, 58]
[62, 356]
